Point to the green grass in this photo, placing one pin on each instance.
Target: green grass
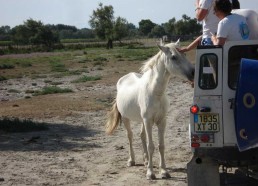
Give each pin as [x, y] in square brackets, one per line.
[5, 43]
[58, 67]
[87, 78]
[67, 63]
[52, 90]
[2, 78]
[17, 125]
[6, 66]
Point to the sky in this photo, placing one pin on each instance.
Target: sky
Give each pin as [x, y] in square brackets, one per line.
[77, 12]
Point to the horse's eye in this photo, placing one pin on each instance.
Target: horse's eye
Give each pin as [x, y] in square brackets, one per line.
[174, 57]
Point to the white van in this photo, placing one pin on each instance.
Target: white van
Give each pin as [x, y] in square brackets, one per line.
[214, 136]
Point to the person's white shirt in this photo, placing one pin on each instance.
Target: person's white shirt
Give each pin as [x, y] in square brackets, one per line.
[252, 21]
[233, 27]
[210, 22]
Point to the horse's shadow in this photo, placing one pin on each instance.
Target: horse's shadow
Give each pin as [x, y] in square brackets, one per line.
[171, 171]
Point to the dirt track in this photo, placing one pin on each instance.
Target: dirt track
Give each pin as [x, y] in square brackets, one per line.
[76, 150]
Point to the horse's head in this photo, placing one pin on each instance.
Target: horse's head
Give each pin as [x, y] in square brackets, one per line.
[176, 62]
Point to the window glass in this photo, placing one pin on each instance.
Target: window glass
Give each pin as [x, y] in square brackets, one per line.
[234, 58]
[208, 78]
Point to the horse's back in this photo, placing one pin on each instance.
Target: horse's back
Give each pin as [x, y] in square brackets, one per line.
[129, 79]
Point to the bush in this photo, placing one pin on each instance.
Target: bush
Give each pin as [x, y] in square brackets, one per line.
[87, 78]
[52, 90]
[6, 66]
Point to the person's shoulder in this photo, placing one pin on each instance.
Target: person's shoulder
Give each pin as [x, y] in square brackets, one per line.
[224, 21]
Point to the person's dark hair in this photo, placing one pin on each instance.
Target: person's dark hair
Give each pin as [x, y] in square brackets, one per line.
[235, 4]
[223, 6]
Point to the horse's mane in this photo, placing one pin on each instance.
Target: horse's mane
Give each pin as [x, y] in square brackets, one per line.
[153, 61]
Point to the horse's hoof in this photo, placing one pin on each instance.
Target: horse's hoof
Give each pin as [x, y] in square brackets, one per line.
[150, 176]
[130, 163]
[165, 175]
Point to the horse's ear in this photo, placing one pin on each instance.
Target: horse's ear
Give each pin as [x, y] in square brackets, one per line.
[178, 43]
[163, 49]
[161, 42]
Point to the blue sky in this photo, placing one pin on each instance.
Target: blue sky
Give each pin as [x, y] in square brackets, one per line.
[77, 12]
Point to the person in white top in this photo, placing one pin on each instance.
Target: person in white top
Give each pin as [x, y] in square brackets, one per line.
[251, 18]
[232, 27]
[210, 21]
[204, 13]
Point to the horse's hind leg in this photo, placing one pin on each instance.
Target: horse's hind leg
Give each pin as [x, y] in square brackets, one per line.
[144, 145]
[161, 133]
[131, 160]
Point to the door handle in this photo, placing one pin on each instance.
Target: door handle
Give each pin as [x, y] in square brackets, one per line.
[232, 103]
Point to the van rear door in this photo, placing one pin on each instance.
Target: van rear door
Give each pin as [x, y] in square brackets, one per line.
[206, 126]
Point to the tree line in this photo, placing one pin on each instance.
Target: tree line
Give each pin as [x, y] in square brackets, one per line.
[104, 26]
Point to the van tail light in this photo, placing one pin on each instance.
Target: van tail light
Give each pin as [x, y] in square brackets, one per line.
[205, 138]
[195, 145]
[194, 109]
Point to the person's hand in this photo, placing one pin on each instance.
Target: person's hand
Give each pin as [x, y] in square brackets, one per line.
[214, 39]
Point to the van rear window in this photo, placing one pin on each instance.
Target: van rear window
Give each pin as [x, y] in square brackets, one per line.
[235, 54]
[208, 78]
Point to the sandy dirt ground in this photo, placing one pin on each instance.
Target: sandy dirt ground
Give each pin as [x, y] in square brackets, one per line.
[75, 150]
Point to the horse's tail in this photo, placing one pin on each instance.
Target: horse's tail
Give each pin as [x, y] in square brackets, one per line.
[113, 120]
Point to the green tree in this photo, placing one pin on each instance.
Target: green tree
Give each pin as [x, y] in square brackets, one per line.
[5, 32]
[106, 26]
[158, 31]
[20, 35]
[34, 32]
[45, 36]
[187, 26]
[121, 28]
[169, 27]
[145, 26]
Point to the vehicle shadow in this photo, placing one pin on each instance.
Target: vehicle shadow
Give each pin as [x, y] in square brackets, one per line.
[238, 178]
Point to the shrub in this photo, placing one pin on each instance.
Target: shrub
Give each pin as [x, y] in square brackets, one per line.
[87, 78]
[52, 90]
[6, 66]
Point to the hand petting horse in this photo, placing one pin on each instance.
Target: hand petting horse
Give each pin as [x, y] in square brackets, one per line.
[142, 98]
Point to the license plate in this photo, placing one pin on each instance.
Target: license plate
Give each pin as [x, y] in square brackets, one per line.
[206, 123]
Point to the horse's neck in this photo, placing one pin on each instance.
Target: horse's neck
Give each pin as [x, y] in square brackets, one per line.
[159, 80]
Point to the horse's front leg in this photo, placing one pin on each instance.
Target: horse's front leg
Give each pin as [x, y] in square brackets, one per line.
[144, 145]
[161, 133]
[150, 146]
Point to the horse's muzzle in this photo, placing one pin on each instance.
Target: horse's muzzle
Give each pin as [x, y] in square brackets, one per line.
[191, 75]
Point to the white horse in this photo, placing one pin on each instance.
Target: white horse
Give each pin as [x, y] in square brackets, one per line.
[142, 97]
